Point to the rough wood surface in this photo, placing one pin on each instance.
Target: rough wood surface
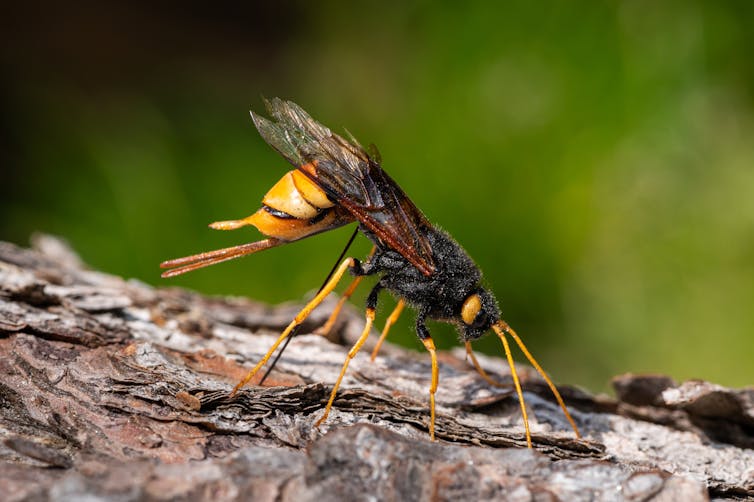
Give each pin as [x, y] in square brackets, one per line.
[113, 389]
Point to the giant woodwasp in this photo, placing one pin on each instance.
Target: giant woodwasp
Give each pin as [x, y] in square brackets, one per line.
[335, 182]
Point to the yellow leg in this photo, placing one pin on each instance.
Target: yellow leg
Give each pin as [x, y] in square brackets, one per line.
[536, 365]
[388, 324]
[326, 290]
[430, 346]
[479, 368]
[325, 328]
[351, 354]
[517, 384]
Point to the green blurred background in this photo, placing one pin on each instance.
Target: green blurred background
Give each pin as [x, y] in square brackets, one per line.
[595, 158]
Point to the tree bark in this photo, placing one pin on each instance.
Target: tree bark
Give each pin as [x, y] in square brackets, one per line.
[114, 389]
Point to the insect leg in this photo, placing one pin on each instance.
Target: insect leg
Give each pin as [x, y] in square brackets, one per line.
[324, 283]
[388, 324]
[300, 317]
[516, 383]
[503, 327]
[370, 310]
[325, 329]
[479, 368]
[429, 344]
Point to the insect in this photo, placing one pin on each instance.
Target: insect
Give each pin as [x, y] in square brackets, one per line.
[335, 182]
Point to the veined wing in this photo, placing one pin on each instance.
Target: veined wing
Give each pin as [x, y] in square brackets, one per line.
[351, 178]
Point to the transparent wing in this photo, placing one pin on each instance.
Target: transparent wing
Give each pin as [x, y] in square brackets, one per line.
[350, 176]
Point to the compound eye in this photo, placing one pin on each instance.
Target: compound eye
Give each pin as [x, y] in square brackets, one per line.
[481, 320]
[471, 308]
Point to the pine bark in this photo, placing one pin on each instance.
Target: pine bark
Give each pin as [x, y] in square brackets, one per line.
[111, 388]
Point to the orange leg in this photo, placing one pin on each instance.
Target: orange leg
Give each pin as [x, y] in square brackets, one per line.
[325, 328]
[539, 369]
[479, 368]
[429, 344]
[388, 324]
[516, 383]
[351, 354]
[326, 290]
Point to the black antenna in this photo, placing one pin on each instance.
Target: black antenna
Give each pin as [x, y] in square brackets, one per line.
[295, 330]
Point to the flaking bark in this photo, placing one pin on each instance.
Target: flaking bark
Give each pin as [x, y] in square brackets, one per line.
[115, 389]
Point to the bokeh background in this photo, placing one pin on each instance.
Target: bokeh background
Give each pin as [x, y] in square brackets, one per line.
[595, 158]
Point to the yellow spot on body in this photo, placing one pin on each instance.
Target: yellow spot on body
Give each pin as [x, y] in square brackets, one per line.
[313, 194]
[471, 308]
[305, 207]
[285, 197]
[287, 229]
